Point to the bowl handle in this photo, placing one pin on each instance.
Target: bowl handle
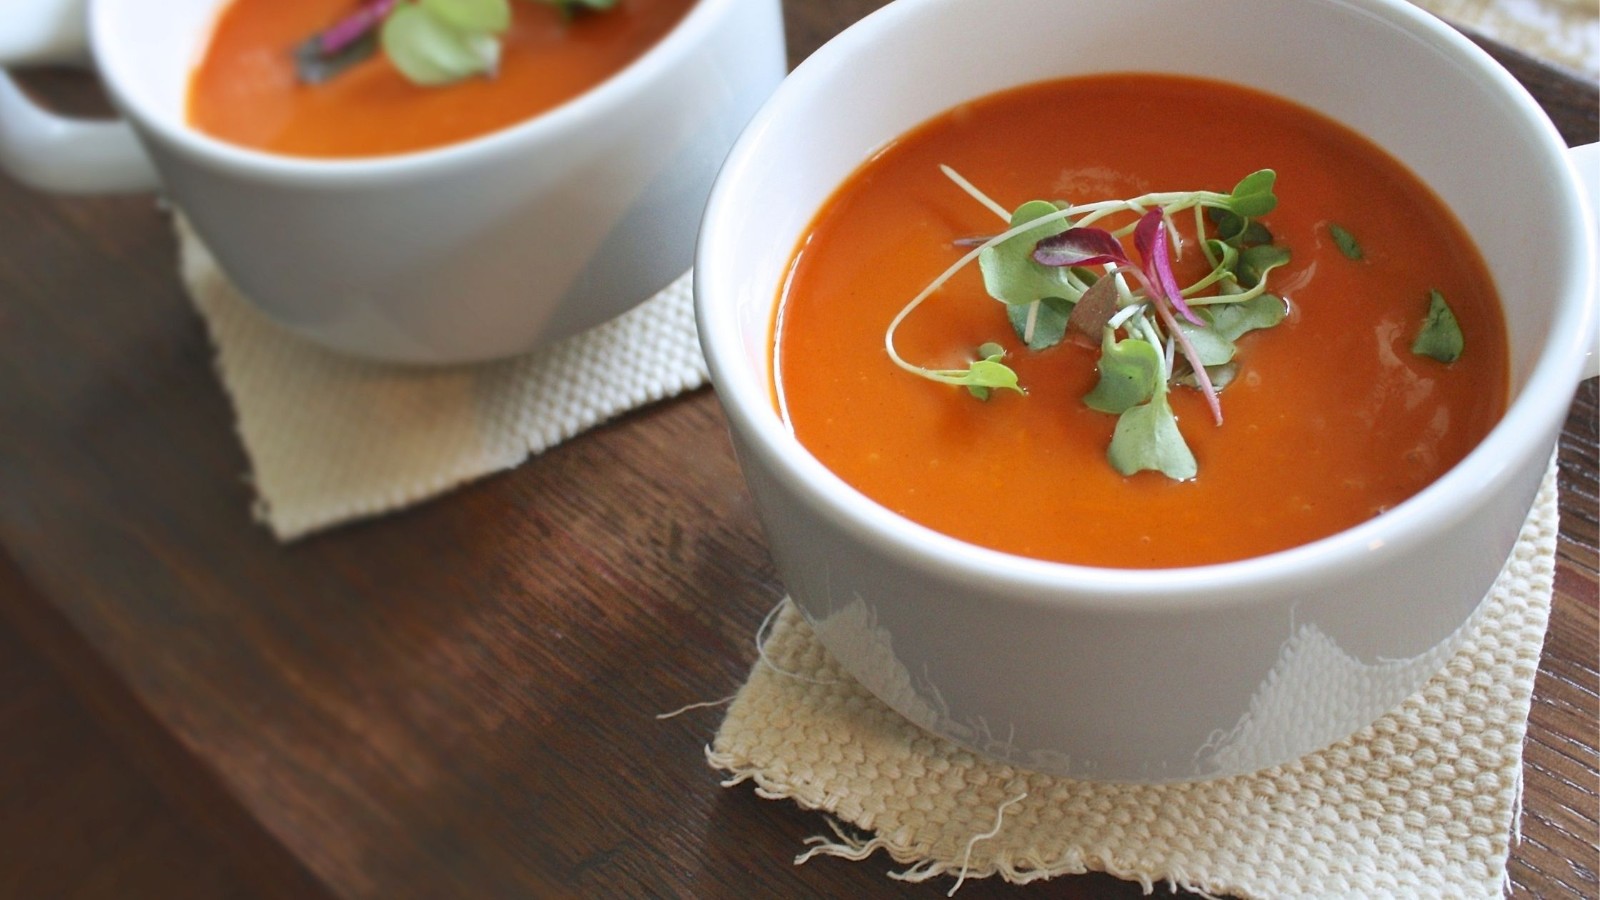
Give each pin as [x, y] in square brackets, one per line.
[51, 152]
[1586, 161]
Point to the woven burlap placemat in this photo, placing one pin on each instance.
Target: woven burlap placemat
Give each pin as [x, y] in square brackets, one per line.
[331, 438]
[1422, 803]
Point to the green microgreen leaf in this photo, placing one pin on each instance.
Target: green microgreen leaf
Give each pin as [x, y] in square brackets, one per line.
[471, 15]
[1255, 262]
[570, 7]
[1252, 196]
[1130, 370]
[1010, 273]
[1219, 376]
[988, 372]
[1211, 348]
[1346, 242]
[1147, 439]
[1231, 320]
[431, 42]
[1237, 231]
[1226, 323]
[1042, 323]
[429, 50]
[1440, 337]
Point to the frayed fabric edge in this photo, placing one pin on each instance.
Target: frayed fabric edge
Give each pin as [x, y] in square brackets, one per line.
[919, 867]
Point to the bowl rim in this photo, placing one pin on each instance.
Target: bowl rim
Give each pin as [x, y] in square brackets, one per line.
[1533, 412]
[573, 117]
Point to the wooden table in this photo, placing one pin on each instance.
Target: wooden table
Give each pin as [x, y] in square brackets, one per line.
[460, 700]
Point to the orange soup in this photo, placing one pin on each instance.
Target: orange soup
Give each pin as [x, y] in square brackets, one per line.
[246, 91]
[1331, 418]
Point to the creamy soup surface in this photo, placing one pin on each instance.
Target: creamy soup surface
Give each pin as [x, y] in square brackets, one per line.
[1331, 419]
[246, 91]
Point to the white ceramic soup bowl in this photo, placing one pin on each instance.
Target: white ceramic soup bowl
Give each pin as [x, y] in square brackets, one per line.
[473, 251]
[1175, 674]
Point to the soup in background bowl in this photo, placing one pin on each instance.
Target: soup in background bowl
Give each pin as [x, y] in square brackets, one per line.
[1136, 674]
[480, 249]
[247, 88]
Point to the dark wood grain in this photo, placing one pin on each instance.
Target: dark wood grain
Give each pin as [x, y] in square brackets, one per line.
[460, 699]
[75, 819]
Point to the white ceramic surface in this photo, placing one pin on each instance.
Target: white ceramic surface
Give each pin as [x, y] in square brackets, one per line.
[474, 251]
[1175, 674]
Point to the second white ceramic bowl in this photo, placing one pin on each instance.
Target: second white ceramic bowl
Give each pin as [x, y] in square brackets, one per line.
[473, 251]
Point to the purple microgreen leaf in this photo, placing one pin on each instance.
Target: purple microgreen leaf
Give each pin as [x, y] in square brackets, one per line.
[1095, 308]
[355, 26]
[1150, 237]
[1080, 247]
[341, 45]
[312, 66]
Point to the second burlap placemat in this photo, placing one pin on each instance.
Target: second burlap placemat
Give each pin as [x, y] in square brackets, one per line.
[331, 438]
[1422, 803]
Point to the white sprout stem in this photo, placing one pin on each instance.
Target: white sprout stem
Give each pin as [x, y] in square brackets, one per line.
[1033, 320]
[1148, 332]
[1175, 236]
[1169, 202]
[974, 193]
[1124, 314]
[946, 275]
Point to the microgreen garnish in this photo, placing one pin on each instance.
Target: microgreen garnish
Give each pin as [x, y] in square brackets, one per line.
[569, 8]
[1010, 273]
[1041, 324]
[1130, 370]
[1060, 272]
[347, 42]
[1440, 337]
[1346, 242]
[987, 372]
[431, 42]
[435, 42]
[1094, 309]
[1147, 438]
